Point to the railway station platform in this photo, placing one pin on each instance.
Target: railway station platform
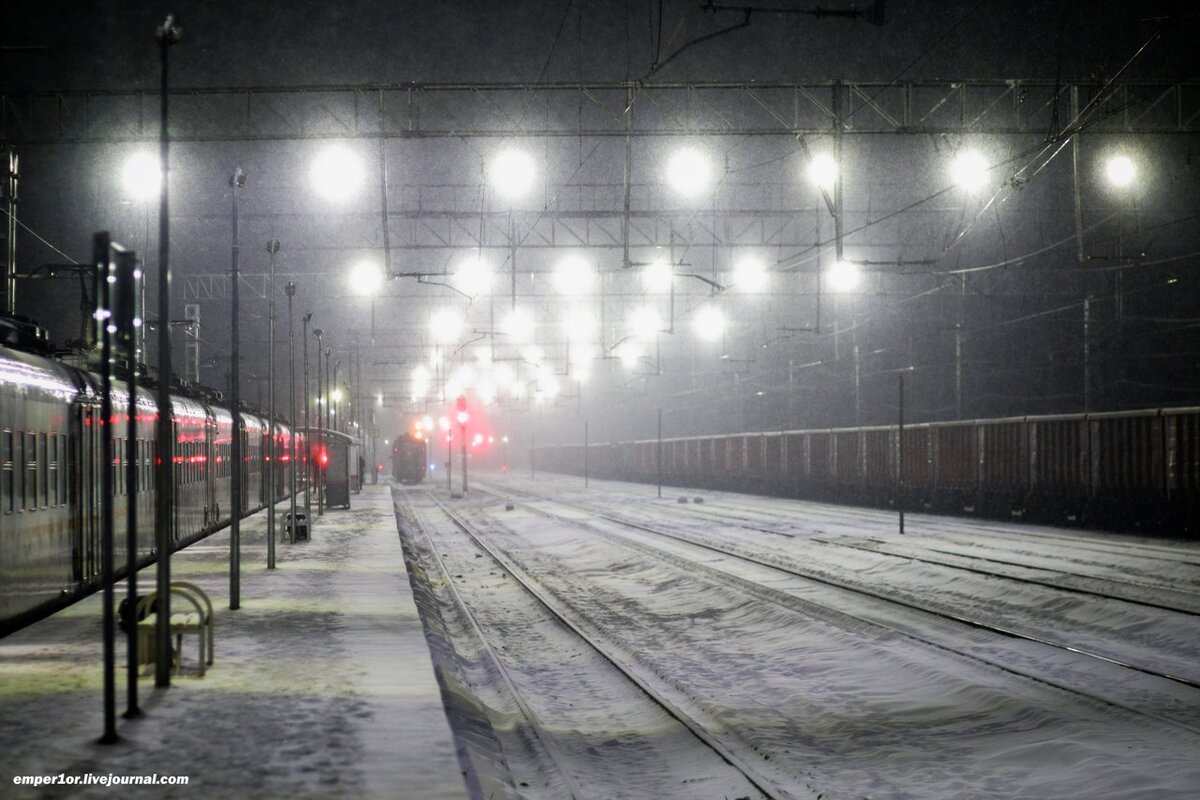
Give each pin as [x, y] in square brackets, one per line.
[322, 684]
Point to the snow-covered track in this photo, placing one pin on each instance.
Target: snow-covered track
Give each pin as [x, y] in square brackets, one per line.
[1187, 721]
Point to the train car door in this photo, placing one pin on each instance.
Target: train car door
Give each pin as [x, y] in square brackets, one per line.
[84, 475]
[208, 463]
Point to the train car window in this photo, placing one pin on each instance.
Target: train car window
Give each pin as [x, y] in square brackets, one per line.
[43, 494]
[30, 456]
[7, 471]
[62, 469]
[54, 468]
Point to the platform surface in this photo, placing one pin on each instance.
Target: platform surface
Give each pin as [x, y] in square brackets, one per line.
[322, 684]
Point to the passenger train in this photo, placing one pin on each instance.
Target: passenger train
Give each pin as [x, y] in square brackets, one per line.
[1122, 470]
[50, 477]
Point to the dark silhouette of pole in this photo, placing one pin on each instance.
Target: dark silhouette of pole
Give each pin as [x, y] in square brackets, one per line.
[290, 290]
[102, 262]
[272, 451]
[236, 456]
[585, 455]
[307, 428]
[328, 401]
[900, 452]
[317, 332]
[167, 35]
[128, 328]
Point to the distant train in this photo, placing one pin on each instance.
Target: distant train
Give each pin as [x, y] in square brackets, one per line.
[1127, 470]
[408, 459]
[50, 478]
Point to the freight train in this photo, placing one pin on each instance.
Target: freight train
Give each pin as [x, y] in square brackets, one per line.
[50, 477]
[1121, 470]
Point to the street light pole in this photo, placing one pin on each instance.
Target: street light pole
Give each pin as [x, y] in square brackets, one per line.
[290, 290]
[164, 475]
[325, 435]
[272, 455]
[235, 398]
[335, 395]
[320, 386]
[307, 430]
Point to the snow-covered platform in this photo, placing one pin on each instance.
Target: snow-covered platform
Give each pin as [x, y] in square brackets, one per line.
[322, 684]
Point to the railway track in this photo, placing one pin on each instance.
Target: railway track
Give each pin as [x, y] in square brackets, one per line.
[1185, 696]
[758, 781]
[1132, 591]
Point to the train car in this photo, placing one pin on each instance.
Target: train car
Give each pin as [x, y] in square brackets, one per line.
[408, 459]
[52, 478]
[1125, 470]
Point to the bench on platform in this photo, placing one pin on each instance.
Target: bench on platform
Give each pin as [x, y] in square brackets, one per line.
[195, 617]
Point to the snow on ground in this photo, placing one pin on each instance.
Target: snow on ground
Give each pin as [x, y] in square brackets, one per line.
[867, 714]
[321, 687]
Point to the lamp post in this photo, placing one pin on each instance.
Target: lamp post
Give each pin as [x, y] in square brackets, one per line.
[235, 398]
[290, 290]
[325, 435]
[317, 469]
[307, 430]
[335, 395]
[164, 476]
[272, 456]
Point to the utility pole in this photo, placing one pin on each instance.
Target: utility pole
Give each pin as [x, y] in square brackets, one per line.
[272, 453]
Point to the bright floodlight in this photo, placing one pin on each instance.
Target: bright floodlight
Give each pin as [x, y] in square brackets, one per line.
[629, 353]
[532, 354]
[473, 276]
[969, 169]
[750, 275]
[843, 276]
[1120, 171]
[142, 176]
[573, 275]
[688, 172]
[446, 325]
[337, 172]
[709, 323]
[823, 171]
[365, 278]
[512, 173]
[503, 375]
[582, 355]
[656, 277]
[645, 322]
[579, 325]
[519, 325]
[549, 386]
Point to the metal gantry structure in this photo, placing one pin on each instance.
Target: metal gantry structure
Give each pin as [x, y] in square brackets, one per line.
[620, 108]
[618, 214]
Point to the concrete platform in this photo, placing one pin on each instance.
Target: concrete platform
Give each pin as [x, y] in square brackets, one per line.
[322, 684]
